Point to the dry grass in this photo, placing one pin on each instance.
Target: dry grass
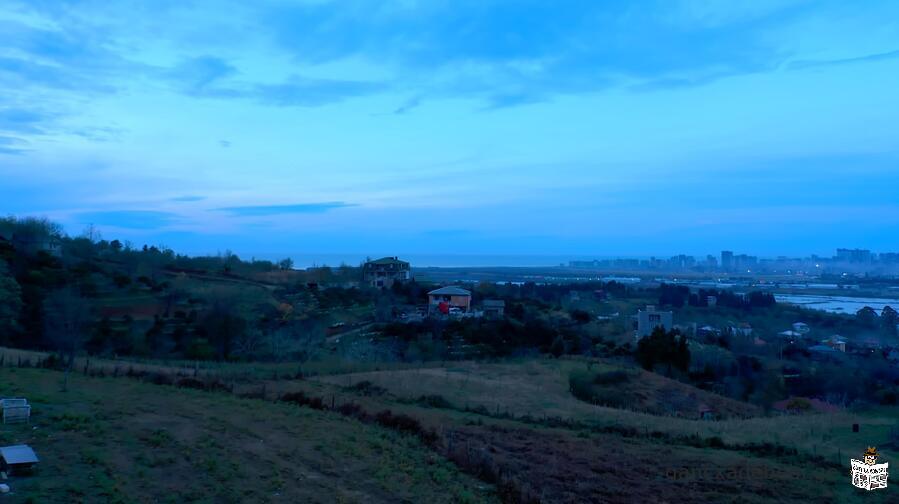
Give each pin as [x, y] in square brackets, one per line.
[119, 440]
[539, 388]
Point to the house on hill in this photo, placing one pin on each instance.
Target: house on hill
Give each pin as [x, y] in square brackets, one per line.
[649, 319]
[384, 272]
[836, 342]
[449, 299]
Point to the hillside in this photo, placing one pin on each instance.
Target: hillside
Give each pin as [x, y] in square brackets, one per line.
[119, 440]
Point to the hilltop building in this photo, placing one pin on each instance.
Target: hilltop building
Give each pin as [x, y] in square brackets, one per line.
[384, 272]
[650, 318]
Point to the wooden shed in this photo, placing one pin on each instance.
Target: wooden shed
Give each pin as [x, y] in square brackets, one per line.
[17, 458]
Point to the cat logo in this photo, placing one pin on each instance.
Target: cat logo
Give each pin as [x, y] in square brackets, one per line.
[867, 474]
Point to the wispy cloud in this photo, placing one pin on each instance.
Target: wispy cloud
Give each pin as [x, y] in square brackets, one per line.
[300, 208]
[200, 75]
[188, 198]
[408, 106]
[801, 64]
[12, 145]
[213, 77]
[129, 219]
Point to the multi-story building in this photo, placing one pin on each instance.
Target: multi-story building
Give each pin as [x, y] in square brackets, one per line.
[650, 318]
[384, 272]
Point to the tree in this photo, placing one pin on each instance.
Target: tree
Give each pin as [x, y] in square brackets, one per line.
[580, 316]
[663, 347]
[868, 317]
[225, 321]
[286, 264]
[66, 318]
[10, 305]
[889, 318]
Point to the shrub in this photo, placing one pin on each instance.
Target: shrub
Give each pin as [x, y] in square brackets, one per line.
[582, 386]
[434, 401]
[367, 388]
[406, 424]
[611, 378]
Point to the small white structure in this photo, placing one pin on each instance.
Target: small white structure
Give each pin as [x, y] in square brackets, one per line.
[836, 342]
[15, 410]
[801, 328]
[649, 319]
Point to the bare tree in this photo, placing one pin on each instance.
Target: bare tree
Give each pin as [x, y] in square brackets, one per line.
[66, 318]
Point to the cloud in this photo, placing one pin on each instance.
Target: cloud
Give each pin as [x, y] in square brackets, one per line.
[188, 198]
[12, 145]
[300, 208]
[21, 120]
[213, 77]
[304, 91]
[802, 64]
[199, 76]
[511, 53]
[407, 106]
[129, 219]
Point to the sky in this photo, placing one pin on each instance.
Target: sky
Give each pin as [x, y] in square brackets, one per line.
[465, 127]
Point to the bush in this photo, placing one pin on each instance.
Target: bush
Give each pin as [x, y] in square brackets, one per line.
[611, 378]
[434, 401]
[406, 424]
[582, 386]
[301, 399]
[366, 388]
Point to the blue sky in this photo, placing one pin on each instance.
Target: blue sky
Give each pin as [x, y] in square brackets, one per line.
[456, 127]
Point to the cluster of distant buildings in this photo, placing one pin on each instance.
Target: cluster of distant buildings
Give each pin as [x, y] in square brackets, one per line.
[845, 260]
[799, 335]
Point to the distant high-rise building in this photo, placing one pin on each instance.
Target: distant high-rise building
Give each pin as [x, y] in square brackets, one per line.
[727, 260]
[858, 256]
[889, 258]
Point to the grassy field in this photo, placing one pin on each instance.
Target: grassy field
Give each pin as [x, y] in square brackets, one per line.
[539, 388]
[120, 440]
[116, 439]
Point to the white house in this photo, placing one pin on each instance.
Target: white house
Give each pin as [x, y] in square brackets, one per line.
[649, 319]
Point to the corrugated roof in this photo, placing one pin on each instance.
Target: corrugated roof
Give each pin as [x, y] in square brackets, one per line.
[18, 454]
[450, 291]
[387, 260]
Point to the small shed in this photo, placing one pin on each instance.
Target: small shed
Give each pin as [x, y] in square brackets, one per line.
[17, 458]
[494, 308]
